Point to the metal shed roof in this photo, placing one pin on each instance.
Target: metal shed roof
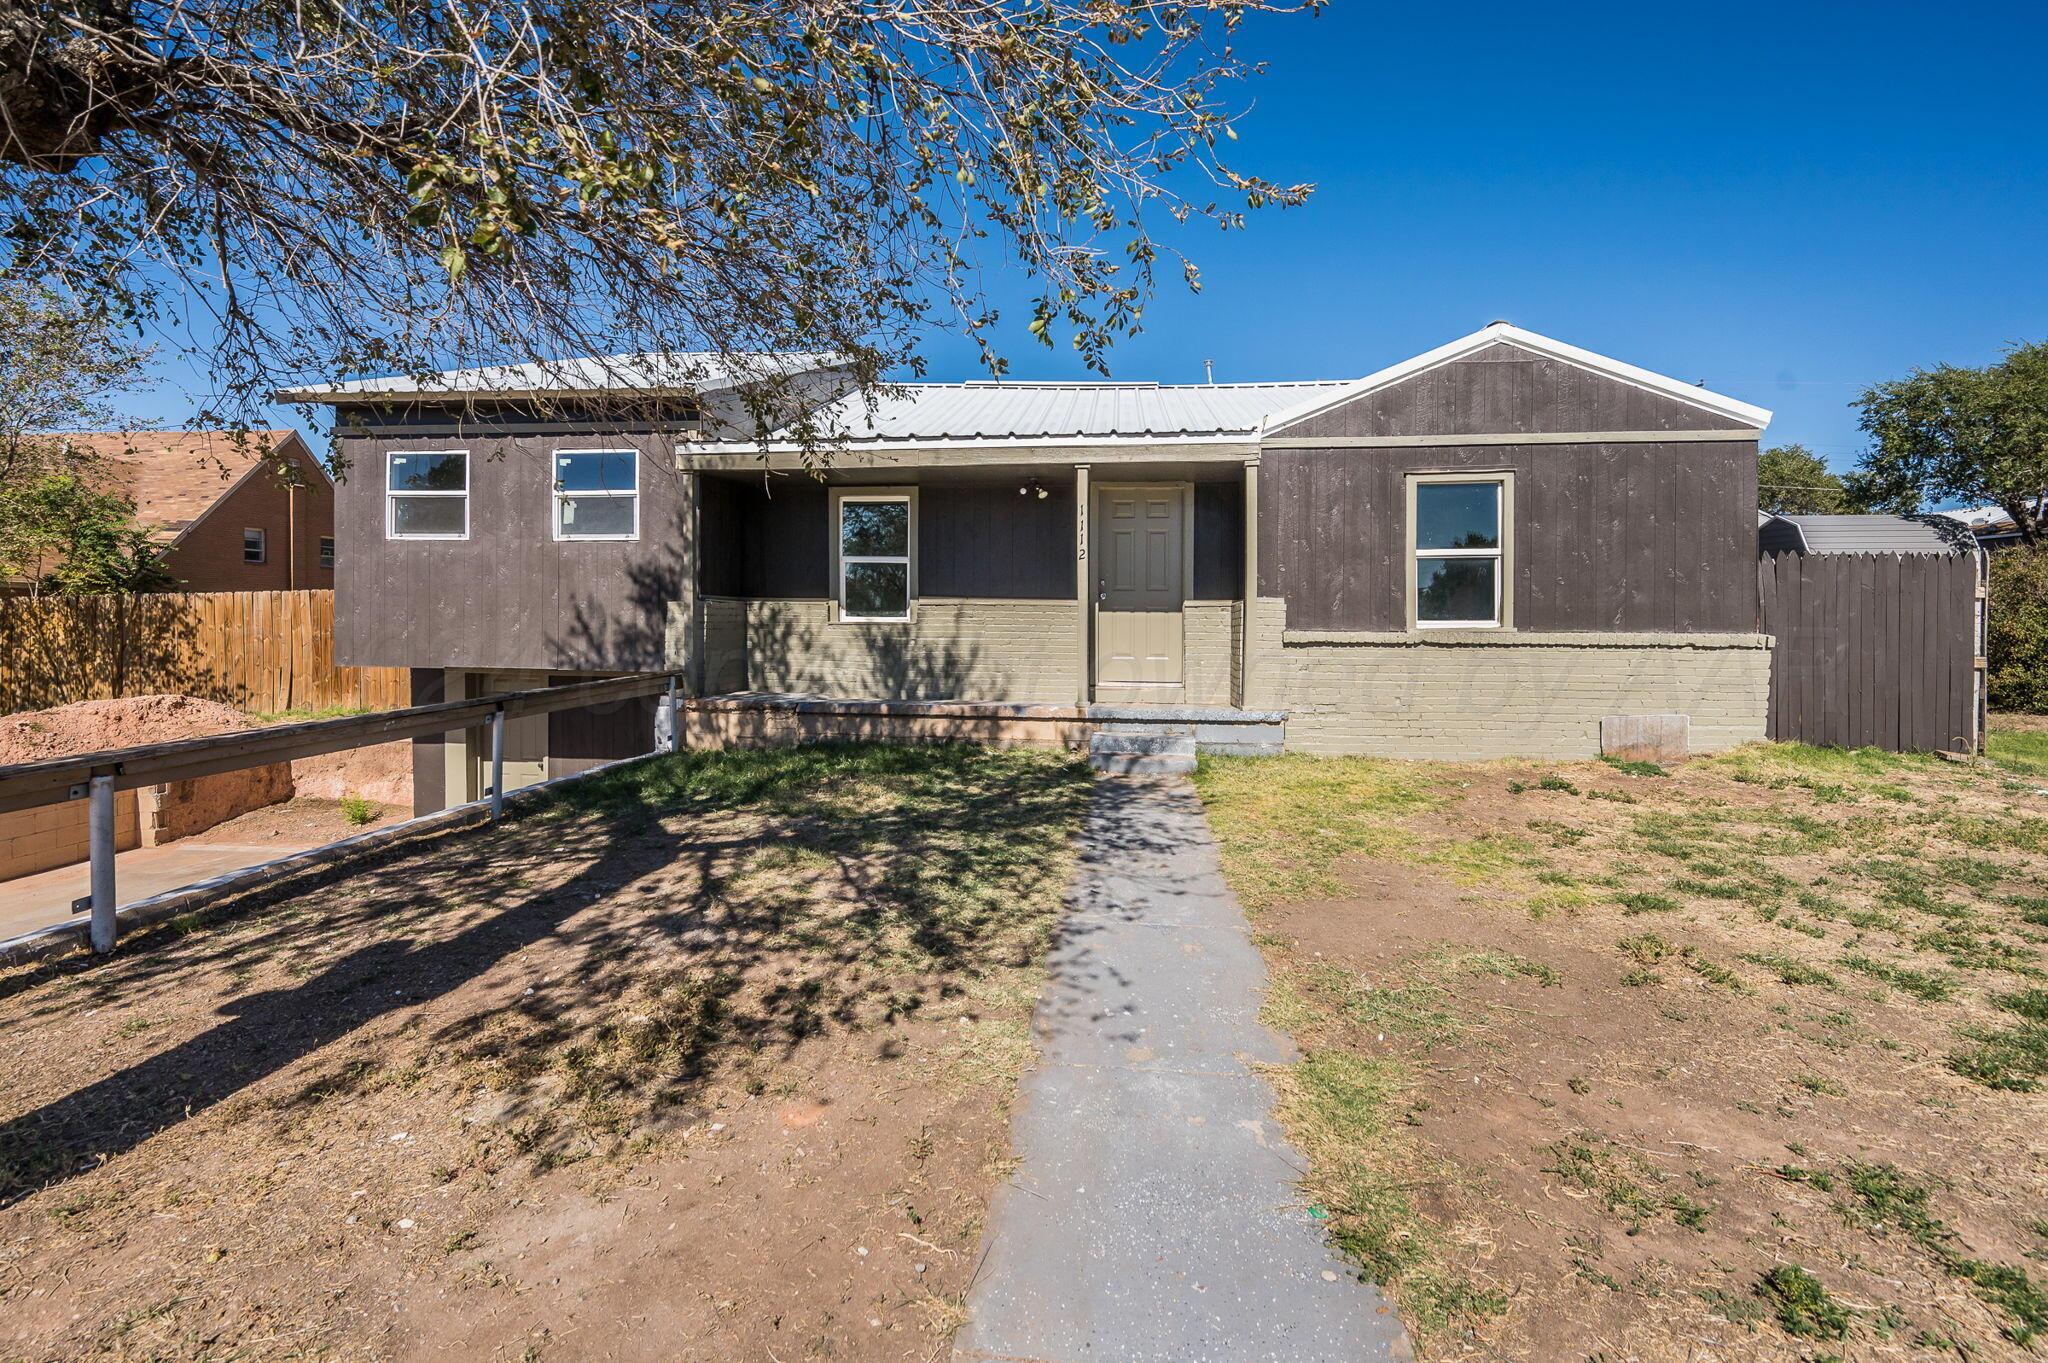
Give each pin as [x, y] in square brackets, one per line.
[682, 371]
[991, 411]
[1863, 535]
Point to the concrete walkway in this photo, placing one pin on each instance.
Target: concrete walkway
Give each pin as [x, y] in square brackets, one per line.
[1154, 1215]
[37, 901]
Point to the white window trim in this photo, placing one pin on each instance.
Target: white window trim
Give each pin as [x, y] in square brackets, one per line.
[1503, 482]
[557, 494]
[391, 495]
[262, 546]
[841, 496]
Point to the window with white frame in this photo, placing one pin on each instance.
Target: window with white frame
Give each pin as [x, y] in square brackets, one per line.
[252, 546]
[1459, 557]
[426, 495]
[874, 538]
[597, 495]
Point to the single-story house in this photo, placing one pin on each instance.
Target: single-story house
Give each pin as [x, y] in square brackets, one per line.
[1994, 526]
[228, 515]
[1485, 550]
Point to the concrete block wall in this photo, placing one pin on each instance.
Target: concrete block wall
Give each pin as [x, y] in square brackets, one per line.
[1508, 695]
[55, 835]
[951, 649]
[1210, 646]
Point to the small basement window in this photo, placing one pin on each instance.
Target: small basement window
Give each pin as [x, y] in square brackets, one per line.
[597, 495]
[426, 495]
[1458, 537]
[875, 531]
[252, 546]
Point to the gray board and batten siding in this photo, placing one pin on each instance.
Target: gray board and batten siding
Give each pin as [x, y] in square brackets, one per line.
[1640, 535]
[510, 595]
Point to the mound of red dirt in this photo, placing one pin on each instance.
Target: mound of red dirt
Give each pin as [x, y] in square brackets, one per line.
[97, 725]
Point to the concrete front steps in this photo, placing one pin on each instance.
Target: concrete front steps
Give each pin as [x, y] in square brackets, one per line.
[1162, 740]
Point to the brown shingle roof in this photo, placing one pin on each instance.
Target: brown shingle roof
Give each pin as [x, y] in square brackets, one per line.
[174, 476]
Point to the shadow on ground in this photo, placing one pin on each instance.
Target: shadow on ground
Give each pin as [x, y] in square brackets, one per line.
[590, 960]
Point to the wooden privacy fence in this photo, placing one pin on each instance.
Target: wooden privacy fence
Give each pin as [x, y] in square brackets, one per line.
[259, 651]
[1873, 650]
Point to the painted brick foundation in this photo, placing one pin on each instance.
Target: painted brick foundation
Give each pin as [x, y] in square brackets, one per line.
[1506, 695]
[953, 649]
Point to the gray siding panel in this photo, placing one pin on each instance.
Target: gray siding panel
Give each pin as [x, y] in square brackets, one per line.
[1505, 390]
[509, 595]
[1219, 542]
[987, 542]
[1637, 537]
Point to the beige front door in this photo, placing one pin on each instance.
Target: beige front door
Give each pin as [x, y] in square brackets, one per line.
[1140, 566]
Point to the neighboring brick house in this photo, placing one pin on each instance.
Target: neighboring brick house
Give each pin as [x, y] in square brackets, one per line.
[229, 518]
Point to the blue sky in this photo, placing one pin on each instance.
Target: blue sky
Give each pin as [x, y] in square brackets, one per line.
[1785, 201]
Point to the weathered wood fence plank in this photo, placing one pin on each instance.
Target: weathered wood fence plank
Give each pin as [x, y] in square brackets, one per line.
[260, 651]
[1873, 650]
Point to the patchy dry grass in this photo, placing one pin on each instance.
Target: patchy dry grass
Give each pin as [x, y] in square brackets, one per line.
[706, 1058]
[1768, 1081]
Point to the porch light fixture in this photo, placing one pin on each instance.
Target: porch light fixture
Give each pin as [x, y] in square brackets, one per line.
[1032, 489]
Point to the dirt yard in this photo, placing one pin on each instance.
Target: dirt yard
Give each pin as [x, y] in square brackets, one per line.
[1743, 1059]
[707, 1059]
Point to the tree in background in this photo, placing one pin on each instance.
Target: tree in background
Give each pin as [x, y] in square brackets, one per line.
[346, 187]
[60, 529]
[59, 535]
[1794, 481]
[59, 366]
[1959, 434]
[2016, 642]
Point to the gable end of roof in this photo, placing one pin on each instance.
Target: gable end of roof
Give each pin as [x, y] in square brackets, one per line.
[1743, 416]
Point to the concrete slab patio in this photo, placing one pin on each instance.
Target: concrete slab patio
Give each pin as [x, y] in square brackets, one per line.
[39, 900]
[1154, 1215]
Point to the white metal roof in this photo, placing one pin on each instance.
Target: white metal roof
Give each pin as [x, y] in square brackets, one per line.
[987, 411]
[682, 371]
[1741, 413]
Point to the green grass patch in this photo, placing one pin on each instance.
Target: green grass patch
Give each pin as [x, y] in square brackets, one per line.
[2021, 751]
[1623, 1182]
[1801, 1305]
[1789, 971]
[1284, 822]
[2012, 1059]
[2031, 1004]
[358, 811]
[1888, 1199]
[1928, 985]
[1631, 768]
[1645, 901]
[1338, 1106]
[1486, 859]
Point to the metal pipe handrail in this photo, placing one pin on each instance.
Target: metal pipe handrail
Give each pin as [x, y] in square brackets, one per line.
[29, 784]
[96, 776]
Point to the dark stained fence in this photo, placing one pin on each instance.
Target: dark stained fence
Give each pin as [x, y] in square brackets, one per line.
[1873, 650]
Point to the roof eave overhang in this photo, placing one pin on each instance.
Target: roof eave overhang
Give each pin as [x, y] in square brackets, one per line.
[1741, 414]
[714, 456]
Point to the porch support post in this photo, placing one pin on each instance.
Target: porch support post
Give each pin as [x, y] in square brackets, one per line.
[1083, 598]
[1250, 591]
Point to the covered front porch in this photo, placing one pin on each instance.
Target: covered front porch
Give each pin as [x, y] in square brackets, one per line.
[1112, 580]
